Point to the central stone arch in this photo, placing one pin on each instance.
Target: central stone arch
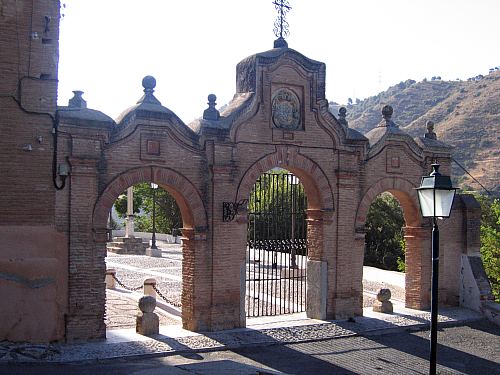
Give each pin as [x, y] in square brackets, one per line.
[316, 184]
[319, 215]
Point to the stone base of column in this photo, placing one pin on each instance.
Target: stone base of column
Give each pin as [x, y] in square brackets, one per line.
[153, 252]
[316, 289]
[127, 245]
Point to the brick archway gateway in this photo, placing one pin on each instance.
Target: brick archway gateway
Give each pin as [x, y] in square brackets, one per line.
[319, 215]
[417, 257]
[88, 320]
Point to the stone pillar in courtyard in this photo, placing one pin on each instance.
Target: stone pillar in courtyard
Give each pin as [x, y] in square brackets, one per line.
[129, 221]
[128, 244]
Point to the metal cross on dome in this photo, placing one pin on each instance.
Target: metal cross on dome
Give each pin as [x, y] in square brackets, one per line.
[281, 24]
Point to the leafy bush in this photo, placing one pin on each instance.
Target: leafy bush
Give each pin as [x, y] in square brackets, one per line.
[168, 215]
[490, 241]
[384, 241]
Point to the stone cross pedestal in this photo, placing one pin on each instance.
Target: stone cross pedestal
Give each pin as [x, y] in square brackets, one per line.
[147, 322]
[382, 304]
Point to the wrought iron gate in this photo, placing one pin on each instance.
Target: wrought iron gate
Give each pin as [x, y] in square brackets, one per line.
[277, 246]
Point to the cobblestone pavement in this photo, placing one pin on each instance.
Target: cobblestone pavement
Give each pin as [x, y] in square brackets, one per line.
[167, 270]
[170, 342]
[469, 348]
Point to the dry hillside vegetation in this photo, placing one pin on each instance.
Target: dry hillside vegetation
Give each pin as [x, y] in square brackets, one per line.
[466, 114]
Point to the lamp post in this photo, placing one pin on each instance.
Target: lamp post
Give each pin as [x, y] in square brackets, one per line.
[153, 237]
[435, 196]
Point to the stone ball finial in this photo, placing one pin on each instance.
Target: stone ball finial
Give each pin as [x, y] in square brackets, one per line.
[149, 82]
[387, 111]
[77, 100]
[342, 116]
[212, 99]
[211, 113]
[430, 130]
[147, 304]
[382, 304]
[384, 295]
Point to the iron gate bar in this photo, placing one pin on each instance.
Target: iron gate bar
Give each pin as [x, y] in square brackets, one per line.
[276, 246]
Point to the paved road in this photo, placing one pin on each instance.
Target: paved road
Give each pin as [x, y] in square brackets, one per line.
[473, 348]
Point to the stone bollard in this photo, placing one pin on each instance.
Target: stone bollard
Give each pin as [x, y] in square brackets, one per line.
[156, 253]
[149, 285]
[382, 304]
[147, 322]
[110, 280]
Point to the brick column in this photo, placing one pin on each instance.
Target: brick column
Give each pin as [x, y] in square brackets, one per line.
[315, 234]
[229, 244]
[87, 293]
[196, 281]
[345, 262]
[418, 267]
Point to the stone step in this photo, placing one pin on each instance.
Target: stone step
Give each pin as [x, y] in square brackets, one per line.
[127, 239]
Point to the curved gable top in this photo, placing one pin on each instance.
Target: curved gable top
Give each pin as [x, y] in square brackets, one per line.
[246, 70]
[148, 107]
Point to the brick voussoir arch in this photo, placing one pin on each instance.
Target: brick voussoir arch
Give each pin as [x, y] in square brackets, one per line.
[185, 193]
[402, 189]
[318, 188]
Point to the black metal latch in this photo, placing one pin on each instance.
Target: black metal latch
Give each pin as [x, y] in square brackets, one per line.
[230, 209]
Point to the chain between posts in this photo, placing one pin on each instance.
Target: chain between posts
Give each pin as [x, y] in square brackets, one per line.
[176, 304]
[132, 289]
[126, 287]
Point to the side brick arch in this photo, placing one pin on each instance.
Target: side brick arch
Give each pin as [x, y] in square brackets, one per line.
[402, 189]
[186, 195]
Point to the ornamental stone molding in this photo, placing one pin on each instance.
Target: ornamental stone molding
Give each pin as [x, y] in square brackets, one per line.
[286, 110]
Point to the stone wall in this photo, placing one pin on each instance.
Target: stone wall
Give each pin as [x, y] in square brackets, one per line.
[33, 256]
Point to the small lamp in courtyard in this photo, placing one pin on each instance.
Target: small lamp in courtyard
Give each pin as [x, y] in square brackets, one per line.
[153, 237]
[435, 196]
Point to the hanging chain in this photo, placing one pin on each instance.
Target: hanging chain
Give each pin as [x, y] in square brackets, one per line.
[170, 302]
[132, 289]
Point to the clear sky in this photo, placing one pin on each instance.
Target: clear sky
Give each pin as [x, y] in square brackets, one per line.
[192, 47]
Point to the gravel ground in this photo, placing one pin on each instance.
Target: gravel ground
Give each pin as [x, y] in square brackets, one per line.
[171, 264]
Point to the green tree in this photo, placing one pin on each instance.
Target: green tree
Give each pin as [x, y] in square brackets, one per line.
[384, 241]
[168, 215]
[490, 241]
[270, 207]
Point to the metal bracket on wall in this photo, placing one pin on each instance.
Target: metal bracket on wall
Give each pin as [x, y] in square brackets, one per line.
[230, 209]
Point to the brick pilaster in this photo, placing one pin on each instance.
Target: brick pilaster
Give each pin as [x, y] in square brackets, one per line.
[418, 267]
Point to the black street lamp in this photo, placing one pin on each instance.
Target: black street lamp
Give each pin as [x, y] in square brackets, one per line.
[435, 196]
[153, 237]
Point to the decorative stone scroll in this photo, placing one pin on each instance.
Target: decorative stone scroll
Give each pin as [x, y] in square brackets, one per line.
[286, 110]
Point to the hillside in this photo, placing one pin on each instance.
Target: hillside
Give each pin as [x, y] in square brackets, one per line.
[466, 114]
